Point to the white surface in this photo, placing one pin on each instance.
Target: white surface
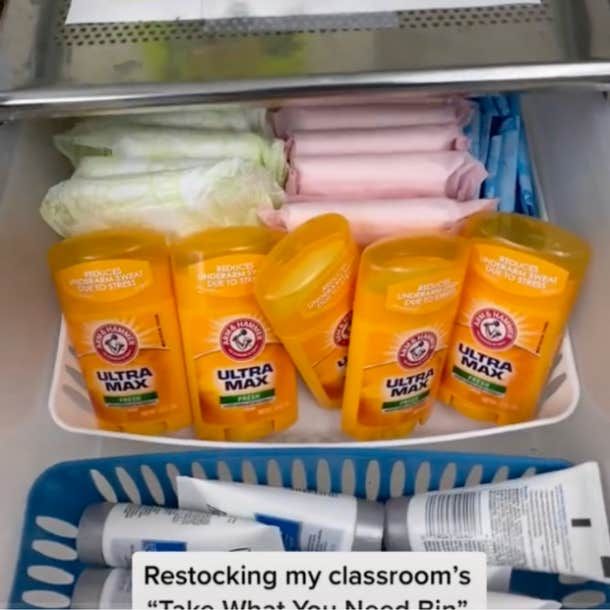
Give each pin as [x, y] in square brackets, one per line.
[225, 9]
[104, 11]
[570, 135]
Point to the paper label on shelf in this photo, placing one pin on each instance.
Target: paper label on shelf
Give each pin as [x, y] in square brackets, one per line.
[121, 11]
[225, 9]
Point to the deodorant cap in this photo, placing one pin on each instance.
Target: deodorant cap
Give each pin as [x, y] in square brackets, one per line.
[396, 534]
[90, 538]
[89, 588]
[368, 533]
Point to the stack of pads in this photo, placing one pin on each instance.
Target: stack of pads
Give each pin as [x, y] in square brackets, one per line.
[397, 167]
[388, 168]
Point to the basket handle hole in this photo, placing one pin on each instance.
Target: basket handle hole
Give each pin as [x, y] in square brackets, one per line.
[129, 486]
[153, 484]
[584, 599]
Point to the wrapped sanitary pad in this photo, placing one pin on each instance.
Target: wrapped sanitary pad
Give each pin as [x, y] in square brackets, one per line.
[452, 174]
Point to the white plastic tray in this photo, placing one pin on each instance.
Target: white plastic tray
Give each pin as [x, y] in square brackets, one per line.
[317, 427]
[71, 409]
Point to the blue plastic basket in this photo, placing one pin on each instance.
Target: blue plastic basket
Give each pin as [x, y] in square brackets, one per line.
[47, 564]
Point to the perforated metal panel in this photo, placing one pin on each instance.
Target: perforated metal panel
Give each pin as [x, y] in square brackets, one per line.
[52, 67]
[512, 14]
[123, 33]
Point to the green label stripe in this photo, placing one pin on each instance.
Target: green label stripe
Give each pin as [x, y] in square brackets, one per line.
[247, 399]
[477, 382]
[131, 400]
[405, 403]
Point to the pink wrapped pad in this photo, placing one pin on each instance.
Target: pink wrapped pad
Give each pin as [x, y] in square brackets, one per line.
[371, 220]
[371, 116]
[453, 174]
[416, 138]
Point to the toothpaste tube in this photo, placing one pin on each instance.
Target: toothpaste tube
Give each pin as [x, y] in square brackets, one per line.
[498, 578]
[554, 522]
[507, 173]
[518, 602]
[102, 588]
[502, 580]
[109, 534]
[308, 521]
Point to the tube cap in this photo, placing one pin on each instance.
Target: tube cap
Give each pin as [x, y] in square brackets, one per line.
[89, 588]
[396, 534]
[368, 533]
[90, 538]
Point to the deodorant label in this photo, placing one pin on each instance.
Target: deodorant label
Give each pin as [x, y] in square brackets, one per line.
[406, 345]
[125, 355]
[327, 343]
[327, 349]
[239, 362]
[507, 330]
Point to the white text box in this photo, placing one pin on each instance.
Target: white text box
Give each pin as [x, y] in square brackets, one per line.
[309, 581]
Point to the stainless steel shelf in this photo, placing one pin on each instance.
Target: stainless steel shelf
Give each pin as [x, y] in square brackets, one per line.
[49, 68]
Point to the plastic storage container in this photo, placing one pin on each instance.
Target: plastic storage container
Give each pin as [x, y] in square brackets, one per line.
[47, 566]
[72, 411]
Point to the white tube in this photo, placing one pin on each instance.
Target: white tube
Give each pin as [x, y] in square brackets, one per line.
[308, 521]
[498, 578]
[518, 602]
[102, 588]
[109, 534]
[554, 522]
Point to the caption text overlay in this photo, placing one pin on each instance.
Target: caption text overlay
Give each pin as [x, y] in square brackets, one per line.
[309, 581]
